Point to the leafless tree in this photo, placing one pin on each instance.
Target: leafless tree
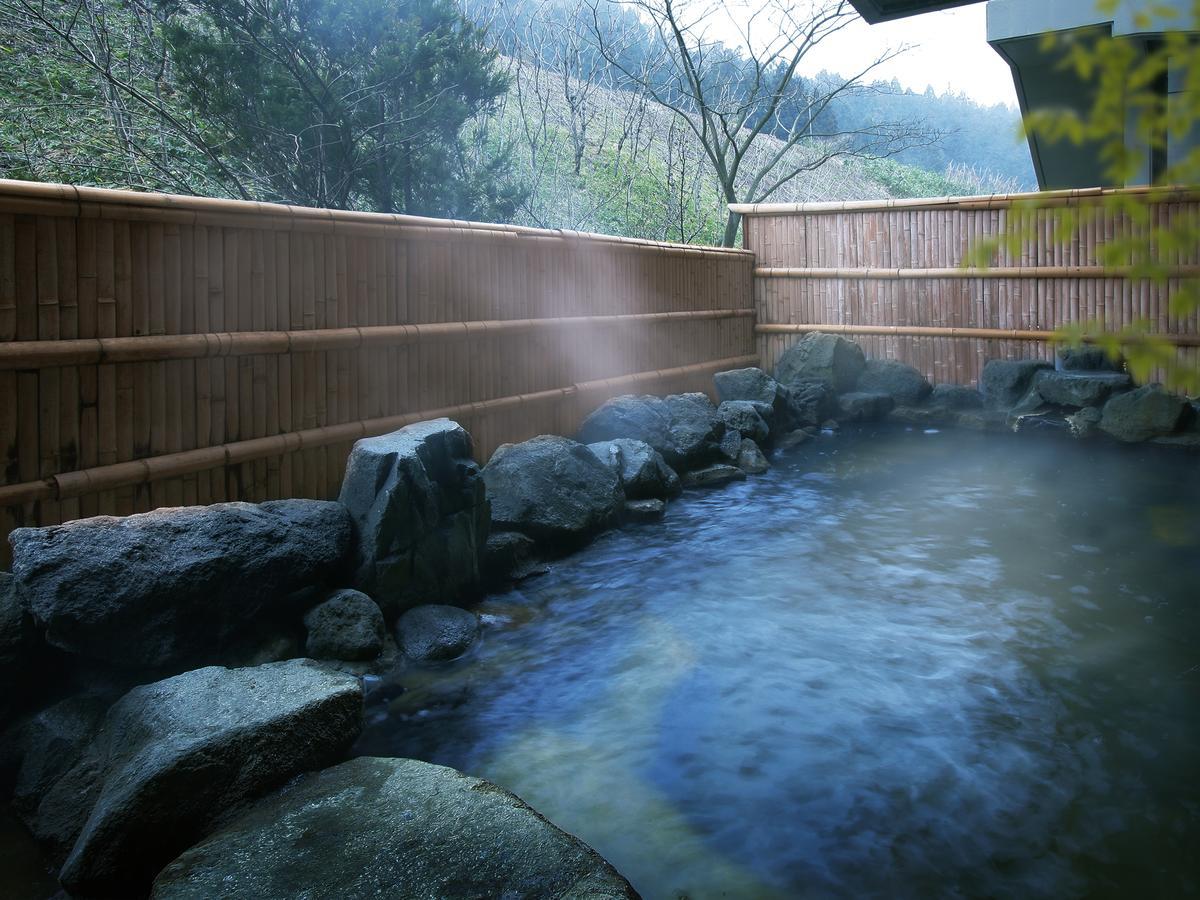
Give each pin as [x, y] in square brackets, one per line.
[732, 73]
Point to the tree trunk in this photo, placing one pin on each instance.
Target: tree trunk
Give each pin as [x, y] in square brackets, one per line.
[731, 229]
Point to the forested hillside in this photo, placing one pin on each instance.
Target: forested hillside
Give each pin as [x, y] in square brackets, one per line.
[554, 113]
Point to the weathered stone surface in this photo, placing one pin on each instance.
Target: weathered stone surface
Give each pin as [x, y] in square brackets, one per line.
[1005, 381]
[645, 510]
[955, 396]
[746, 417]
[1150, 411]
[1079, 388]
[750, 458]
[434, 633]
[509, 554]
[904, 384]
[1087, 359]
[173, 755]
[552, 489]
[347, 625]
[825, 357]
[859, 406]
[643, 472]
[1085, 422]
[171, 586]
[713, 476]
[419, 512]
[696, 428]
[755, 386]
[390, 828]
[643, 418]
[809, 402]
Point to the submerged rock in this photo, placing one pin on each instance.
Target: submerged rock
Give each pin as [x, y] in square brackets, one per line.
[1005, 382]
[168, 587]
[824, 357]
[552, 489]
[347, 625]
[643, 418]
[1149, 411]
[390, 828]
[750, 458]
[643, 472]
[748, 418]
[696, 428]
[713, 476]
[645, 510]
[859, 406]
[419, 512]
[172, 756]
[903, 383]
[796, 438]
[1079, 388]
[435, 633]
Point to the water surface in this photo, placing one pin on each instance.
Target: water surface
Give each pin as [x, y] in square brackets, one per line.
[901, 664]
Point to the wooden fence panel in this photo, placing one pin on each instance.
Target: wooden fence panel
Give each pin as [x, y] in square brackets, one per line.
[159, 350]
[889, 275]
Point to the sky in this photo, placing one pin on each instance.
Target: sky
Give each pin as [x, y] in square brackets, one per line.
[950, 51]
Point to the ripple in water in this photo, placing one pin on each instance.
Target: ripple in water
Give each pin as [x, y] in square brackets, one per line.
[913, 665]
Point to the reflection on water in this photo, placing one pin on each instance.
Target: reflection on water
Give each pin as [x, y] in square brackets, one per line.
[911, 666]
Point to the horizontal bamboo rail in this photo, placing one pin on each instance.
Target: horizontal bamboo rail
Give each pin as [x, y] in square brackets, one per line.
[996, 272]
[1005, 334]
[142, 471]
[157, 348]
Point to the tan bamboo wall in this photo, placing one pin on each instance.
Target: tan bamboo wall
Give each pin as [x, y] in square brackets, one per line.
[889, 274]
[159, 350]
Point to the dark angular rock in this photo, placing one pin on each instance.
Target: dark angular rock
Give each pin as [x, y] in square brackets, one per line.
[164, 588]
[172, 756]
[643, 472]
[696, 428]
[755, 386]
[809, 403]
[1139, 415]
[747, 417]
[1005, 381]
[18, 643]
[390, 828]
[552, 489]
[904, 384]
[419, 512]
[1085, 422]
[750, 458]
[509, 554]
[730, 446]
[645, 510]
[863, 407]
[955, 397]
[643, 418]
[713, 476]
[434, 633]
[1079, 388]
[796, 438]
[1087, 359]
[825, 357]
[347, 625]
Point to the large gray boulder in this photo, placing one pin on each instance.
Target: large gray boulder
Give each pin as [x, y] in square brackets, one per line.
[643, 418]
[643, 472]
[435, 632]
[174, 755]
[346, 625]
[172, 586]
[904, 384]
[390, 828]
[552, 489]
[755, 386]
[747, 417]
[810, 402]
[1149, 411]
[1005, 382]
[1079, 388]
[420, 515]
[696, 428]
[826, 357]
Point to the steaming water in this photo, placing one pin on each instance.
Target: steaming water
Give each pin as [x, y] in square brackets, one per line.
[915, 665]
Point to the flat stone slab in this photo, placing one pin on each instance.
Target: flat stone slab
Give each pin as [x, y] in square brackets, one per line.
[390, 828]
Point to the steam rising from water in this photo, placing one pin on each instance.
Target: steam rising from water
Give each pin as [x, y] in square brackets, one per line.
[918, 665]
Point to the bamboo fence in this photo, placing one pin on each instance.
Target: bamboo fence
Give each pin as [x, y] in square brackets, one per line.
[890, 274]
[160, 351]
